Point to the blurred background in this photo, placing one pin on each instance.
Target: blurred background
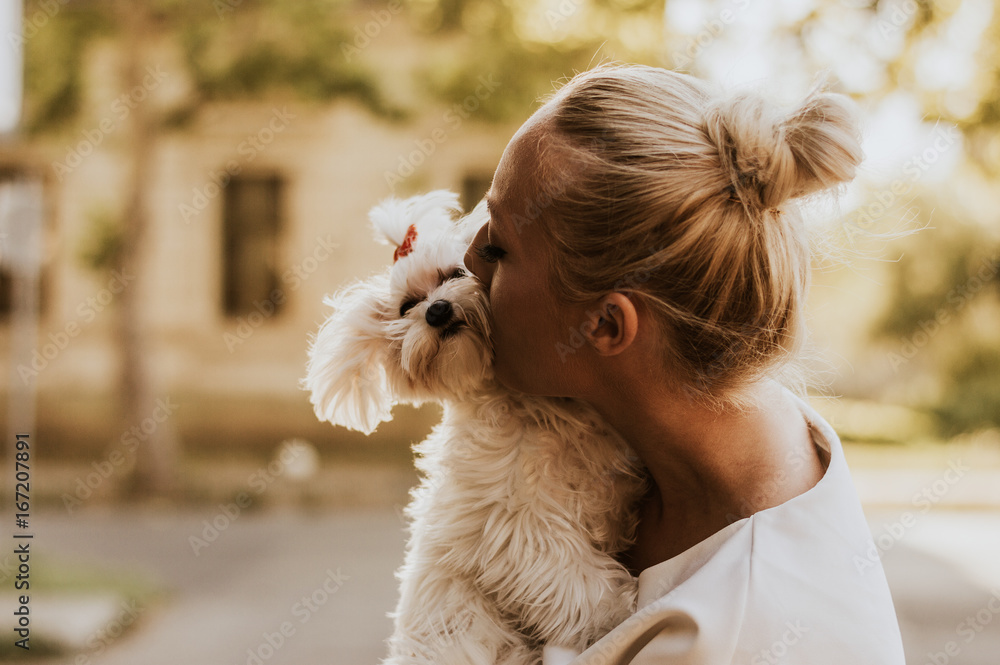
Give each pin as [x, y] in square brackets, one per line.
[181, 182]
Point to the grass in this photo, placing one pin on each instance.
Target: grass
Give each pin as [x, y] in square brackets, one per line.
[75, 578]
[885, 436]
[50, 574]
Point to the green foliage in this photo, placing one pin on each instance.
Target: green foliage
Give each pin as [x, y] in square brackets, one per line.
[972, 397]
[946, 281]
[78, 578]
[250, 49]
[521, 78]
[102, 246]
[81, 576]
[295, 47]
[41, 649]
[983, 125]
[490, 39]
[236, 50]
[933, 273]
[53, 85]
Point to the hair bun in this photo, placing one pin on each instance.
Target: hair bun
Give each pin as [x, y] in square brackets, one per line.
[771, 158]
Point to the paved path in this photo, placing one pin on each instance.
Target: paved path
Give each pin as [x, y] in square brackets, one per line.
[943, 569]
[239, 592]
[327, 578]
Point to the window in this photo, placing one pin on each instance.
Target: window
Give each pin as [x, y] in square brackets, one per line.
[6, 291]
[21, 206]
[474, 188]
[6, 275]
[251, 223]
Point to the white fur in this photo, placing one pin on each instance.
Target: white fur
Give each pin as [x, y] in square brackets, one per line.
[523, 501]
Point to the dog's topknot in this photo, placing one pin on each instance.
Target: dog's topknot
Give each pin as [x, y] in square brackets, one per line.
[432, 213]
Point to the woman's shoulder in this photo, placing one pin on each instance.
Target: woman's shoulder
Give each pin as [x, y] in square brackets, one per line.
[812, 480]
[798, 576]
[755, 589]
[828, 515]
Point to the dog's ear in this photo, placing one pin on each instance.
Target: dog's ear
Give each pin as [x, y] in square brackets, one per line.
[346, 369]
[392, 218]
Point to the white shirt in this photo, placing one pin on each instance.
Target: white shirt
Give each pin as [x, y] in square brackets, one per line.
[796, 583]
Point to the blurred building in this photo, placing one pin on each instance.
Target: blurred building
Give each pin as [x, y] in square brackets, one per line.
[257, 211]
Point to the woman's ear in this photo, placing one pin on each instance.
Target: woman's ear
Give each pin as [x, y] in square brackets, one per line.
[612, 326]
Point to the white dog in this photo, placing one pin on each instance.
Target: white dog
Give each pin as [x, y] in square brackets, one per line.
[523, 501]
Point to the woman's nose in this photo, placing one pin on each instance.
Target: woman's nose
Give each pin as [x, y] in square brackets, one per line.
[478, 267]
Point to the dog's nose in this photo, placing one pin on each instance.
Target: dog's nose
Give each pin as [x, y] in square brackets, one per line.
[439, 313]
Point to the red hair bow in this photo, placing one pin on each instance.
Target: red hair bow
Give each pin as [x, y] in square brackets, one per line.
[407, 246]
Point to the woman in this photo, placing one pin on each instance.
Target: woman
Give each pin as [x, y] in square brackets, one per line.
[644, 254]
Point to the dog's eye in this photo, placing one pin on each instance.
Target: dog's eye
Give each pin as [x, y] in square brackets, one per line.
[457, 273]
[407, 306]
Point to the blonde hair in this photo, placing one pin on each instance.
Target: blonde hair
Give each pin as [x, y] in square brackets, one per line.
[684, 197]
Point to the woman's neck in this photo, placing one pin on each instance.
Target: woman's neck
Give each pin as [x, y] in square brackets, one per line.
[706, 463]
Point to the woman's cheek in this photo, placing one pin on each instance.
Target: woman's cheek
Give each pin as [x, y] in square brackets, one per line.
[512, 338]
[498, 310]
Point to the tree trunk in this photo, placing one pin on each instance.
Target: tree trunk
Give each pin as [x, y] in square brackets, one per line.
[155, 471]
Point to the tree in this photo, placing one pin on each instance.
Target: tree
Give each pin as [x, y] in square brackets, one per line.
[529, 46]
[309, 66]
